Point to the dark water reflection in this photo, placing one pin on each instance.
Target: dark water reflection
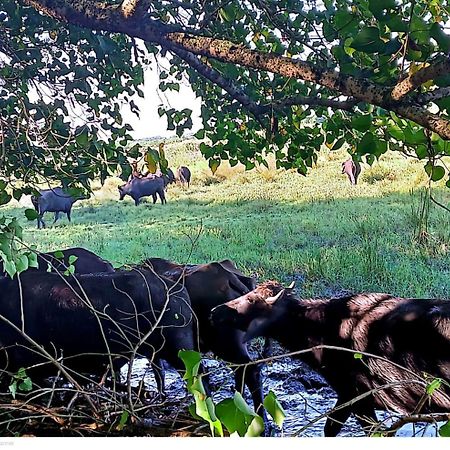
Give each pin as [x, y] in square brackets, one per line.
[304, 395]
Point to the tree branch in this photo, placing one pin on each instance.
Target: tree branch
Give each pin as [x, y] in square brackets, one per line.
[226, 84]
[347, 105]
[413, 81]
[437, 94]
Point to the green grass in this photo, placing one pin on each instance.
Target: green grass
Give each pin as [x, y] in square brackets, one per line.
[318, 230]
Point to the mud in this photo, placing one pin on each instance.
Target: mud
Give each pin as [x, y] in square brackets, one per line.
[304, 395]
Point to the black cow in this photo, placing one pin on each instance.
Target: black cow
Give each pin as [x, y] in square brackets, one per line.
[58, 261]
[210, 285]
[88, 321]
[52, 200]
[184, 175]
[352, 169]
[143, 187]
[411, 338]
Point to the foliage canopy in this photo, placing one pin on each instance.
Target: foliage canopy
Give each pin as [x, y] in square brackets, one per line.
[281, 77]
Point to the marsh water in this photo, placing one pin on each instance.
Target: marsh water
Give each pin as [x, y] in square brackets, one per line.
[304, 395]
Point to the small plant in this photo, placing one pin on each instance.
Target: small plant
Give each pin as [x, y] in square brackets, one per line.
[420, 216]
[21, 382]
[233, 414]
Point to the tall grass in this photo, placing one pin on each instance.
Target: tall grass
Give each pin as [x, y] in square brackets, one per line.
[319, 230]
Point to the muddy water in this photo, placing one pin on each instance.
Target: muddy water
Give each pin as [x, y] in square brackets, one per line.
[304, 395]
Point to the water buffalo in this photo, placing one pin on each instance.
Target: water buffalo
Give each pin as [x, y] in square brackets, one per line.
[408, 341]
[143, 187]
[88, 322]
[352, 169]
[52, 200]
[58, 261]
[184, 176]
[210, 285]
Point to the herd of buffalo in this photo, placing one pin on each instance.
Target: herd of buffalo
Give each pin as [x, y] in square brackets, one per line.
[376, 351]
[138, 186]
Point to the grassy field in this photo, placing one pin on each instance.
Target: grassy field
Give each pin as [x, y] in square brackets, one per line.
[319, 230]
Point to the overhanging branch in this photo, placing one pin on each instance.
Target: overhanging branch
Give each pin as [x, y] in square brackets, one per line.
[413, 81]
[226, 84]
[100, 16]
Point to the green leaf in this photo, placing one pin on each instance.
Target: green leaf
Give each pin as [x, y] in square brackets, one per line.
[357, 355]
[32, 260]
[274, 408]
[434, 385]
[444, 430]
[238, 417]
[362, 123]
[191, 361]
[31, 214]
[13, 388]
[214, 165]
[123, 420]
[367, 144]
[338, 144]
[436, 173]
[151, 158]
[200, 134]
[26, 385]
[10, 268]
[368, 41]
[72, 259]
[58, 254]
[22, 263]
[4, 197]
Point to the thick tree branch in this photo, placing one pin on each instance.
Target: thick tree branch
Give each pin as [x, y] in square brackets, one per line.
[226, 84]
[361, 89]
[413, 81]
[432, 96]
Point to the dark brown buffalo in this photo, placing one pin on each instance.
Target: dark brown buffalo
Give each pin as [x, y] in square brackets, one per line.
[411, 338]
[84, 318]
[352, 169]
[58, 261]
[210, 285]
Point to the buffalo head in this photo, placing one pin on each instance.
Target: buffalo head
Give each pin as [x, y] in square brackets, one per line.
[254, 312]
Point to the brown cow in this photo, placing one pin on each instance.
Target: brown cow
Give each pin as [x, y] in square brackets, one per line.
[410, 338]
[210, 285]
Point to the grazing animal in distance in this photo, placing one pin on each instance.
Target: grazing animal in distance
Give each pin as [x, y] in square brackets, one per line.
[58, 261]
[143, 187]
[52, 200]
[210, 285]
[352, 169]
[184, 176]
[398, 340]
[88, 321]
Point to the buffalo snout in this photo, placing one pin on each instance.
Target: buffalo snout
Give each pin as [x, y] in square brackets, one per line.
[223, 315]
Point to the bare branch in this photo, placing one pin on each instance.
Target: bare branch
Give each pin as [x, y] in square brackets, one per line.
[437, 94]
[413, 81]
[347, 105]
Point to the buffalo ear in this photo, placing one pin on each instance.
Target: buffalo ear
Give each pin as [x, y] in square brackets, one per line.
[257, 327]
